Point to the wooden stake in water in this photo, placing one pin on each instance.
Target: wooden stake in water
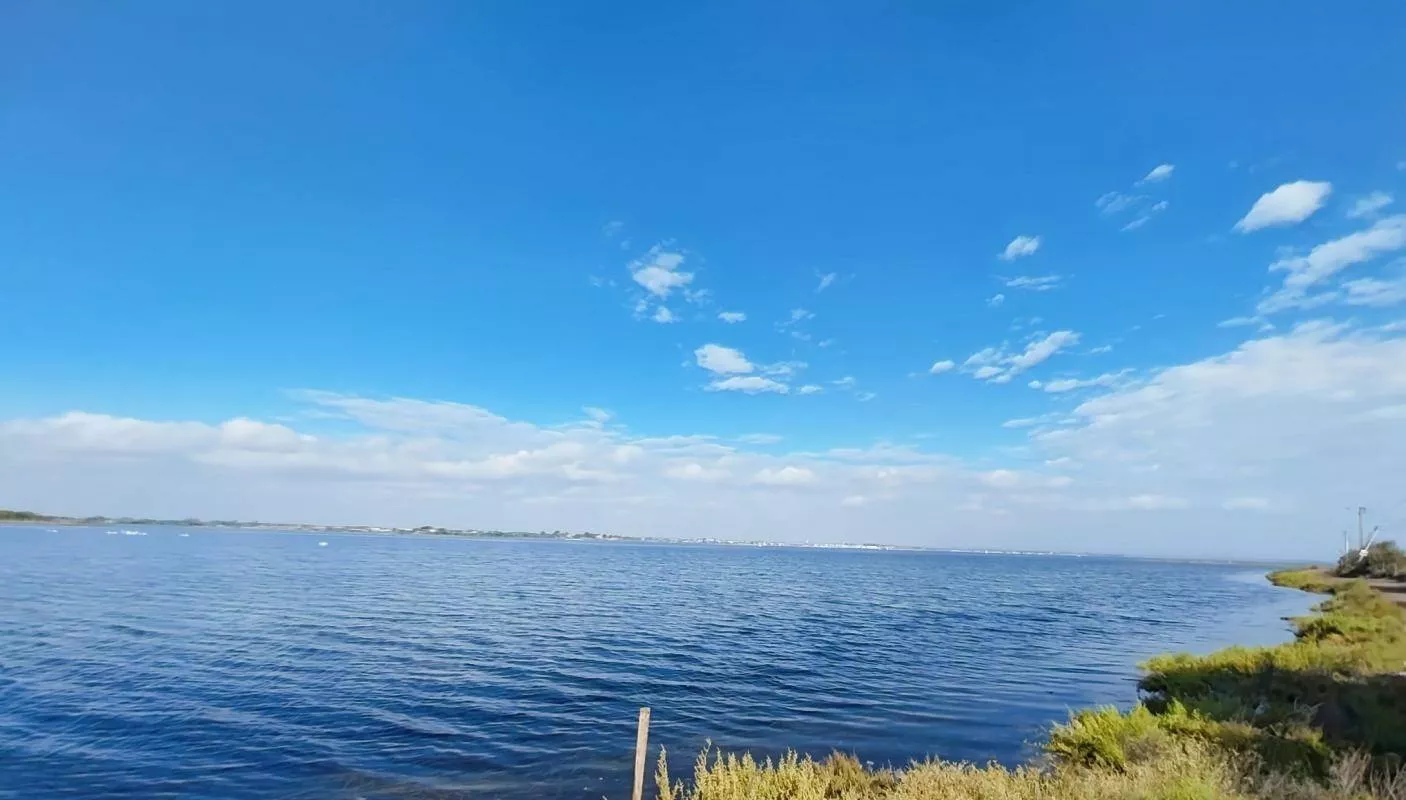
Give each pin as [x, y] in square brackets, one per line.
[641, 748]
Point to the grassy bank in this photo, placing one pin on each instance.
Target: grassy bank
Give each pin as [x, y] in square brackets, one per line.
[1322, 717]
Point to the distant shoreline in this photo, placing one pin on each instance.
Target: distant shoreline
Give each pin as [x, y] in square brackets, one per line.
[31, 519]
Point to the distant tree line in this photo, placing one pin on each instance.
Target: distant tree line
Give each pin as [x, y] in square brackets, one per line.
[21, 516]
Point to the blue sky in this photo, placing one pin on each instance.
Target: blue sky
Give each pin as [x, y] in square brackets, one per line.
[333, 219]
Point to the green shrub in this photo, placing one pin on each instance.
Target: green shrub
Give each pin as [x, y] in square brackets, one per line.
[1382, 560]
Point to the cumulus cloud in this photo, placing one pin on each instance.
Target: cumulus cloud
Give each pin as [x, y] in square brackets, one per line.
[722, 360]
[1021, 246]
[995, 300]
[1369, 205]
[785, 476]
[732, 317]
[1297, 420]
[663, 315]
[659, 273]
[810, 388]
[1289, 204]
[946, 365]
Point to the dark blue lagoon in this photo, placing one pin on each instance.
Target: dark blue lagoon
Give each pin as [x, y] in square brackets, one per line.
[197, 663]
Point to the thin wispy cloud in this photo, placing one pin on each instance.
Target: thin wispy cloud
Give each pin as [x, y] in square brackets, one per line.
[1159, 173]
[999, 365]
[826, 280]
[1369, 205]
[1307, 273]
[1034, 283]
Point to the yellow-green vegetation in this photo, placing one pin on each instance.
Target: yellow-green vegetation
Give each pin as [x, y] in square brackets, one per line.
[1308, 579]
[1159, 768]
[1320, 718]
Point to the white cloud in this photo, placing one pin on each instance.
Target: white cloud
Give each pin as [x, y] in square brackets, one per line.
[1369, 205]
[1293, 411]
[1101, 349]
[1245, 504]
[1111, 203]
[826, 280]
[759, 438]
[722, 360]
[1034, 283]
[995, 300]
[1375, 291]
[1037, 351]
[750, 384]
[1159, 173]
[799, 315]
[612, 228]
[997, 365]
[1301, 419]
[658, 272]
[1146, 216]
[810, 388]
[784, 369]
[663, 315]
[1328, 259]
[1021, 246]
[1240, 322]
[847, 382]
[1155, 502]
[598, 415]
[865, 397]
[732, 317]
[940, 367]
[1288, 204]
[1070, 384]
[785, 476]
[854, 501]
[693, 471]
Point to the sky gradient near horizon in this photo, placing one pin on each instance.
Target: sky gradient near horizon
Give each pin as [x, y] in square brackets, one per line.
[1130, 279]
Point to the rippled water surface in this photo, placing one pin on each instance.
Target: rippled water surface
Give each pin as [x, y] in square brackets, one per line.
[261, 664]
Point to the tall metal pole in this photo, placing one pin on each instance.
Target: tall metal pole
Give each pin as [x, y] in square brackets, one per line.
[1361, 537]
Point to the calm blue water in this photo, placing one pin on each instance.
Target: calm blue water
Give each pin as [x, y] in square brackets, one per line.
[242, 664]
